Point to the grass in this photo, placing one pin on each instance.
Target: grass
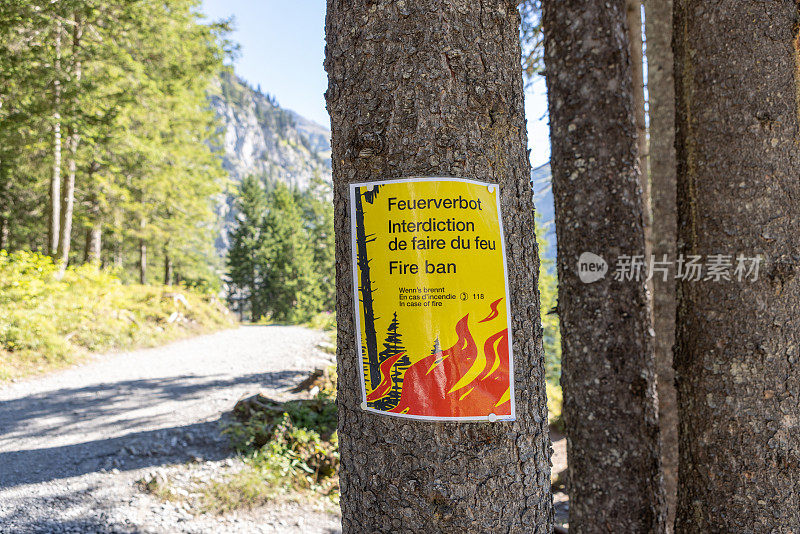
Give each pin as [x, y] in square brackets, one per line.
[287, 448]
[47, 323]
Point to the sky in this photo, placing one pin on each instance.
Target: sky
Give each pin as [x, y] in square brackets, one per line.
[282, 49]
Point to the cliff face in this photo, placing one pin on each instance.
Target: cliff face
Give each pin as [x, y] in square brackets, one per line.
[260, 138]
[263, 139]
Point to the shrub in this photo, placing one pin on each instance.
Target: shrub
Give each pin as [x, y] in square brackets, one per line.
[47, 322]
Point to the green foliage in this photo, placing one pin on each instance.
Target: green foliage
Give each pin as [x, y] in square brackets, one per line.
[548, 296]
[281, 257]
[287, 448]
[317, 205]
[555, 401]
[128, 82]
[47, 322]
[271, 423]
[291, 287]
[325, 321]
[246, 264]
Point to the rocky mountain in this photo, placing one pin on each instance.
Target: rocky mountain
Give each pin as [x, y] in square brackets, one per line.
[265, 140]
[277, 144]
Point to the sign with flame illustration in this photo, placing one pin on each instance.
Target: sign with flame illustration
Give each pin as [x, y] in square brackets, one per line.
[432, 318]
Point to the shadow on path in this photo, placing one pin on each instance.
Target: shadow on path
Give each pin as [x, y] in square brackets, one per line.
[83, 526]
[123, 409]
[133, 451]
[76, 406]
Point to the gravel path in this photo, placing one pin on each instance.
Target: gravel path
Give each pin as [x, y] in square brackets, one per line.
[72, 444]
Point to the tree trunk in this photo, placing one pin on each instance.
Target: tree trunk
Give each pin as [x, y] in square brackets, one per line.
[365, 290]
[737, 360]
[608, 372]
[661, 90]
[167, 269]
[68, 192]
[94, 234]
[5, 232]
[87, 245]
[435, 88]
[94, 240]
[55, 177]
[119, 259]
[633, 14]
[67, 202]
[142, 261]
[119, 242]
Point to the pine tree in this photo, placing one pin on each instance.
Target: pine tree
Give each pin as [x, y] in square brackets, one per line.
[608, 368]
[246, 256]
[737, 360]
[118, 90]
[290, 286]
[431, 88]
[318, 214]
[392, 346]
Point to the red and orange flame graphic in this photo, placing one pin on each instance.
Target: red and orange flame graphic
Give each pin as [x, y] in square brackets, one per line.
[494, 313]
[461, 381]
[386, 383]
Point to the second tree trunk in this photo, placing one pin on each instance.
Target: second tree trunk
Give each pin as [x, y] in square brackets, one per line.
[660, 87]
[608, 372]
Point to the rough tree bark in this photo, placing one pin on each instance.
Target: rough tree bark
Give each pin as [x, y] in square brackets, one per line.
[435, 88]
[633, 14]
[661, 90]
[608, 372]
[55, 176]
[737, 356]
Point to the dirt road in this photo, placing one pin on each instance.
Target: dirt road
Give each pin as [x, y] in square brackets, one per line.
[72, 444]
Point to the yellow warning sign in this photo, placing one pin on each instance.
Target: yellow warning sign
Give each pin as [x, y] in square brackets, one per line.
[433, 315]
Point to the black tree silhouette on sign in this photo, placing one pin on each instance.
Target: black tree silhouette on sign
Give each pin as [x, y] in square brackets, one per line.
[362, 239]
[392, 346]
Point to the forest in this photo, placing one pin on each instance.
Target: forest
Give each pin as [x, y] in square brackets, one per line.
[107, 140]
